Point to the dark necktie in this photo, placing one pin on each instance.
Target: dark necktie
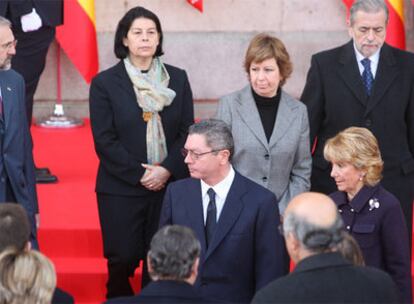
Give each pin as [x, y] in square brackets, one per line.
[211, 221]
[367, 77]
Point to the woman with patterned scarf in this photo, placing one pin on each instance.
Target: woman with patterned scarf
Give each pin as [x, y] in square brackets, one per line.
[140, 111]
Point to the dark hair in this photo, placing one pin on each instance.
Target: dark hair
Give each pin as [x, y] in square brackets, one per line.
[121, 51]
[14, 226]
[217, 133]
[173, 252]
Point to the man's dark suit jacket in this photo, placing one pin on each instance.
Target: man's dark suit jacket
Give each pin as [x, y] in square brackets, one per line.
[164, 292]
[246, 251]
[16, 158]
[120, 131]
[336, 99]
[328, 278]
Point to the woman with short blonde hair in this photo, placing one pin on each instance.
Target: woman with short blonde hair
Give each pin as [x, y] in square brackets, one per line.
[371, 214]
[359, 147]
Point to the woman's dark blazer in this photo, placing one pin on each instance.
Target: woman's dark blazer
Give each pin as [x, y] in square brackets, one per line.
[119, 130]
[380, 232]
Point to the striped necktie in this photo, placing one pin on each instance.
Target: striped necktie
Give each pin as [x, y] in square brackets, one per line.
[367, 77]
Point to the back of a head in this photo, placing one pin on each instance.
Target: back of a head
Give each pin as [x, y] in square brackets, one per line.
[314, 221]
[173, 252]
[26, 277]
[14, 226]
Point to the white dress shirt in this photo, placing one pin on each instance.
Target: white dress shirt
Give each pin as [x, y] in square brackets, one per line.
[221, 189]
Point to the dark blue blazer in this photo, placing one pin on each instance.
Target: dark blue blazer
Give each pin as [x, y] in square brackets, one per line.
[16, 158]
[246, 251]
[380, 232]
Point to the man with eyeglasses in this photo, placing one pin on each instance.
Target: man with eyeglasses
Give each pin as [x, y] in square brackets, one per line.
[33, 25]
[234, 218]
[17, 177]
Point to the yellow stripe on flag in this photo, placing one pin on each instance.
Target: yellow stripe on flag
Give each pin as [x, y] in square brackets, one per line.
[89, 8]
[398, 6]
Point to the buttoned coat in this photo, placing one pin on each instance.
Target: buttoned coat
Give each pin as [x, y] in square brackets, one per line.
[246, 252]
[119, 131]
[336, 99]
[282, 164]
[375, 219]
[16, 158]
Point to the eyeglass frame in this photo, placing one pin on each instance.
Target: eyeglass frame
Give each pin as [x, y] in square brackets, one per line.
[195, 155]
[8, 45]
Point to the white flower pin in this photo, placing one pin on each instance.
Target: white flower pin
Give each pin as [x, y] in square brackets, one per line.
[373, 204]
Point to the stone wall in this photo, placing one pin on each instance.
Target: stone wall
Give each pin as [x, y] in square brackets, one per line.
[210, 46]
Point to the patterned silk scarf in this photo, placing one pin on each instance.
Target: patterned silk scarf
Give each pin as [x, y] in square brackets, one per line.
[153, 94]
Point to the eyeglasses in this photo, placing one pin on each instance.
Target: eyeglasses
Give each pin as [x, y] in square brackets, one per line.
[195, 155]
[8, 45]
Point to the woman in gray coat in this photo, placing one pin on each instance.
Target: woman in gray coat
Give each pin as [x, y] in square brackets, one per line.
[270, 128]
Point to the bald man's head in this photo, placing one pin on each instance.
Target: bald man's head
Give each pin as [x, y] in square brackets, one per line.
[313, 220]
[316, 208]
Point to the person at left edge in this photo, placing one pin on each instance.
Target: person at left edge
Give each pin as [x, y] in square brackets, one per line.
[140, 111]
[17, 177]
[33, 25]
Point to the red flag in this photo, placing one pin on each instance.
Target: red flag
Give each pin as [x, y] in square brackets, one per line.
[77, 36]
[395, 28]
[198, 4]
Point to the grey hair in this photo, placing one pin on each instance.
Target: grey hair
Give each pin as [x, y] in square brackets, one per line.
[217, 133]
[5, 22]
[314, 238]
[173, 252]
[368, 6]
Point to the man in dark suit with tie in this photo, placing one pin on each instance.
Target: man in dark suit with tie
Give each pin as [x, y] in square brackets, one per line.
[312, 228]
[365, 83]
[234, 218]
[172, 261]
[34, 23]
[17, 178]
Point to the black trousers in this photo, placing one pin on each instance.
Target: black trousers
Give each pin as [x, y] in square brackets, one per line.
[128, 224]
[30, 59]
